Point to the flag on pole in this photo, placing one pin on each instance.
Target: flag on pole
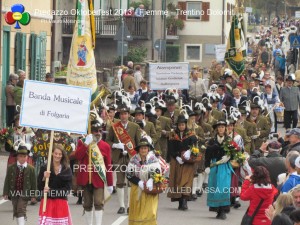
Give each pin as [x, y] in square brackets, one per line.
[236, 47]
[82, 66]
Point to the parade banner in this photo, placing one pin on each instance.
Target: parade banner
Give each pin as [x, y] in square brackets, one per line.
[56, 107]
[169, 75]
[41, 142]
[124, 137]
[81, 67]
[236, 48]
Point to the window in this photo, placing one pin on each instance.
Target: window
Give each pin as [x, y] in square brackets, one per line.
[193, 52]
[20, 51]
[194, 10]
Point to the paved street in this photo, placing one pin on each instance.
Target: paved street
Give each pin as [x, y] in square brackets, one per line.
[167, 212]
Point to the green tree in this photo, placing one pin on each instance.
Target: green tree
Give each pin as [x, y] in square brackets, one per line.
[136, 54]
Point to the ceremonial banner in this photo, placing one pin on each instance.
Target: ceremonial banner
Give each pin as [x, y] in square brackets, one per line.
[124, 137]
[41, 142]
[236, 46]
[82, 67]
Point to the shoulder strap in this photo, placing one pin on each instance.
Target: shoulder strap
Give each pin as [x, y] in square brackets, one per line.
[257, 208]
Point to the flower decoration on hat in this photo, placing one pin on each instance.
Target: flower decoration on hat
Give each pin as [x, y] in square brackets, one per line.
[17, 15]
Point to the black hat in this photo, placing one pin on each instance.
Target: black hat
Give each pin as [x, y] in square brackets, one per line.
[170, 99]
[143, 142]
[111, 107]
[220, 122]
[123, 108]
[21, 148]
[291, 78]
[96, 125]
[159, 106]
[231, 121]
[189, 111]
[138, 110]
[181, 119]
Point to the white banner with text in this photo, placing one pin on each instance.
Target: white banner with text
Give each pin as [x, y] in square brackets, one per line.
[169, 75]
[57, 107]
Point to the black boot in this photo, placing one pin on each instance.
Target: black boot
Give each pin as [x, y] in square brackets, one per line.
[79, 201]
[184, 204]
[194, 197]
[221, 214]
[180, 204]
[199, 193]
[121, 210]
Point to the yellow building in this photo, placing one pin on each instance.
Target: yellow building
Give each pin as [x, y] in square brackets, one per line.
[28, 48]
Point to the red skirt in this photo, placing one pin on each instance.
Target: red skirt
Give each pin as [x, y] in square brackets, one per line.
[57, 212]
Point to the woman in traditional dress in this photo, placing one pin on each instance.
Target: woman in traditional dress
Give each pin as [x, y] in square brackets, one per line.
[234, 194]
[181, 172]
[60, 183]
[143, 206]
[219, 170]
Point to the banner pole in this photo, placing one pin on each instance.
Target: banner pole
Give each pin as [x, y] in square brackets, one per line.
[48, 169]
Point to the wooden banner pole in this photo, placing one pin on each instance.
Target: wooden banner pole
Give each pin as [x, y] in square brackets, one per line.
[48, 169]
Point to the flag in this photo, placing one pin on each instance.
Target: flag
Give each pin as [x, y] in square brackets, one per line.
[82, 66]
[236, 47]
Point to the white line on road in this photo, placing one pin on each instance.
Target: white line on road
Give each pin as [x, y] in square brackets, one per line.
[119, 220]
[3, 201]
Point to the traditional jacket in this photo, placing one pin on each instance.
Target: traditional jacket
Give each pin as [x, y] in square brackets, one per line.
[264, 127]
[60, 184]
[177, 144]
[165, 124]
[133, 131]
[82, 155]
[176, 114]
[151, 131]
[214, 151]
[29, 182]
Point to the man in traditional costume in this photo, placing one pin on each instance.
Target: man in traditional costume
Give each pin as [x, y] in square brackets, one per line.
[123, 136]
[95, 172]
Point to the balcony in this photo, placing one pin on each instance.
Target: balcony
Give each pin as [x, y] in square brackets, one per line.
[107, 27]
[172, 33]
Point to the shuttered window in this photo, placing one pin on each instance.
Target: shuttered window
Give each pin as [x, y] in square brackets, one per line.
[37, 56]
[196, 10]
[20, 51]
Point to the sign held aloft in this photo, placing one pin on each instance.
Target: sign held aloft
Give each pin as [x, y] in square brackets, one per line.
[169, 75]
[55, 107]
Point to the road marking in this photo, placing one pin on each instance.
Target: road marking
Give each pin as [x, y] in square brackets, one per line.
[119, 220]
[3, 201]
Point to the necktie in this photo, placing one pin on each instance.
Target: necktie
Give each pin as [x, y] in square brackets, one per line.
[20, 167]
[172, 118]
[220, 103]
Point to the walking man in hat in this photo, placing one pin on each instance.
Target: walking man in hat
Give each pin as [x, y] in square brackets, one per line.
[123, 136]
[94, 177]
[20, 183]
[290, 97]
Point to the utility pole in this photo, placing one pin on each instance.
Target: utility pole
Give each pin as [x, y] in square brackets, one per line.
[122, 42]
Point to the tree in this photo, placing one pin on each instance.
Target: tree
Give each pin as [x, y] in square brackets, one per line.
[135, 54]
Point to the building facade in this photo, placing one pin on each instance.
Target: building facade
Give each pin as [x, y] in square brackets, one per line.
[144, 30]
[27, 48]
[205, 24]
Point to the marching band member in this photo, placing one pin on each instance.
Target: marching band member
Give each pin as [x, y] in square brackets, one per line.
[181, 172]
[94, 179]
[123, 136]
[166, 124]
